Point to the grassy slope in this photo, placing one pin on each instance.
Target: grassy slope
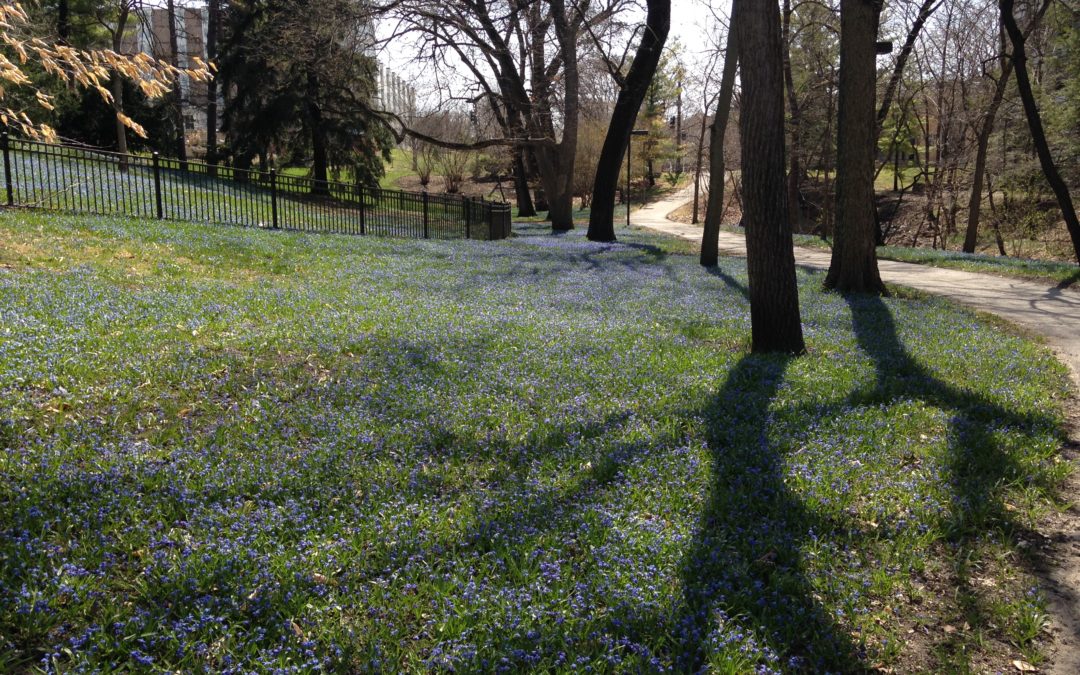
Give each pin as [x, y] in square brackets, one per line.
[233, 448]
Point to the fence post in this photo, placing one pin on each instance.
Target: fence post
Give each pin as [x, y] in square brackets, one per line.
[425, 215]
[157, 186]
[273, 198]
[7, 169]
[468, 217]
[360, 189]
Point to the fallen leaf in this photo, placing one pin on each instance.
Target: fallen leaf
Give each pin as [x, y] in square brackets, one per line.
[297, 630]
[1024, 666]
[949, 630]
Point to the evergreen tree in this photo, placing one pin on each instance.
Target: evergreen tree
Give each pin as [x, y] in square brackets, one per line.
[297, 80]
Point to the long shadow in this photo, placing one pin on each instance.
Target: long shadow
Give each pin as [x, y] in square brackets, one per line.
[979, 468]
[745, 563]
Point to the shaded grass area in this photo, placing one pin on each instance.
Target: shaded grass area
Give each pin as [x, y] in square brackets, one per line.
[250, 450]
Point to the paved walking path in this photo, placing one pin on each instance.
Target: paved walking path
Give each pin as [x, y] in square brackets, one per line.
[1043, 309]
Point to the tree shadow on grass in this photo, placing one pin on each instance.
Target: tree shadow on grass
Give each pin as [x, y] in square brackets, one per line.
[745, 564]
[979, 469]
[746, 567]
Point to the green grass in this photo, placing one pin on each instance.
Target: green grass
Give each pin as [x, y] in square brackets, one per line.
[1022, 268]
[400, 166]
[74, 183]
[236, 449]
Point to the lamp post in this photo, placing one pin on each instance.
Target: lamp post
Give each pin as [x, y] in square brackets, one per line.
[629, 143]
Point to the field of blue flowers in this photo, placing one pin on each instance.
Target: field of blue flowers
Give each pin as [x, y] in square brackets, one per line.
[236, 450]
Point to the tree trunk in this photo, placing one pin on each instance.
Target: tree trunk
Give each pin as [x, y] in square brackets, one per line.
[854, 259]
[770, 259]
[975, 199]
[319, 159]
[177, 93]
[63, 21]
[1038, 136]
[116, 88]
[213, 18]
[521, 186]
[710, 235]
[698, 160]
[642, 69]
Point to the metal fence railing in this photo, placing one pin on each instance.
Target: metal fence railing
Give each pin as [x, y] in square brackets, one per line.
[69, 178]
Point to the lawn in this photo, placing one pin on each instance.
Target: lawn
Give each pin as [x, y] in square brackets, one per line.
[231, 449]
[1063, 273]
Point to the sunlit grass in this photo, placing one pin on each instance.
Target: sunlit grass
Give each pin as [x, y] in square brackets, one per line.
[235, 449]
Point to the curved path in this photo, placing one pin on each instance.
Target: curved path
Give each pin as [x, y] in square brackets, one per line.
[1052, 312]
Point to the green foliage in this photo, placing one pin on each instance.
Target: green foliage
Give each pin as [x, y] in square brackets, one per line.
[657, 115]
[301, 85]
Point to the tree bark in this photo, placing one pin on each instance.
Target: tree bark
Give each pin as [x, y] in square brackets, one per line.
[642, 69]
[854, 259]
[714, 207]
[521, 186]
[1038, 135]
[770, 259]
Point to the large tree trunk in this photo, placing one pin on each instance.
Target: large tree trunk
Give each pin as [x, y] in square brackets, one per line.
[521, 186]
[854, 259]
[642, 69]
[1038, 136]
[770, 259]
[561, 192]
[714, 208]
[213, 18]
[177, 93]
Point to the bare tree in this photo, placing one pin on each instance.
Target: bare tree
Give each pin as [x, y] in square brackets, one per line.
[1038, 135]
[521, 59]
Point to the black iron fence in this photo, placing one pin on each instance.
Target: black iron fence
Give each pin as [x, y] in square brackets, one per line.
[79, 180]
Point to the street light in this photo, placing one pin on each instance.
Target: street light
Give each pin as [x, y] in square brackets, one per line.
[629, 142]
